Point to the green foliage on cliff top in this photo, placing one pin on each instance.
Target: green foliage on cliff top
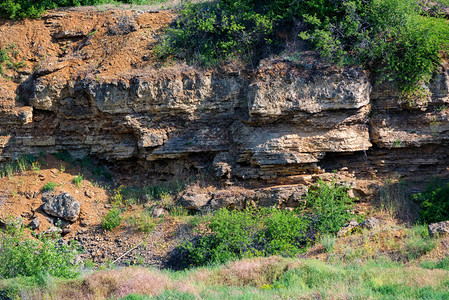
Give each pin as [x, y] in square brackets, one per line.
[402, 41]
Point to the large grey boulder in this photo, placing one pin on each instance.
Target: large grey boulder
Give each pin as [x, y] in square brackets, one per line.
[63, 206]
[191, 200]
[227, 199]
[440, 228]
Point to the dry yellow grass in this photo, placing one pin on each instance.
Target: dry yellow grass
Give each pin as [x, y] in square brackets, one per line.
[115, 284]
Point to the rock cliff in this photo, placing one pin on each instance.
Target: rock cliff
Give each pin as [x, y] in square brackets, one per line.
[281, 123]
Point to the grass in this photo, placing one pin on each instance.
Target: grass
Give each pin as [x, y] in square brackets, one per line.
[257, 278]
[178, 211]
[48, 187]
[142, 222]
[20, 165]
[156, 192]
[78, 180]
[441, 264]
[328, 242]
[418, 242]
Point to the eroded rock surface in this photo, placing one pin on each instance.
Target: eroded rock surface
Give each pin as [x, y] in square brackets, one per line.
[279, 123]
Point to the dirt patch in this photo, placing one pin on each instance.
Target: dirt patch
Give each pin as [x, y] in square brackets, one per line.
[104, 44]
[22, 195]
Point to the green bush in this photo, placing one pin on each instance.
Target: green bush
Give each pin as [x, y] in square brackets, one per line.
[329, 205]
[396, 39]
[24, 256]
[269, 231]
[48, 187]
[212, 31]
[142, 222]
[434, 202]
[112, 219]
[248, 233]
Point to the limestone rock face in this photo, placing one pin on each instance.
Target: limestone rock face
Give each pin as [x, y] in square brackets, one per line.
[249, 127]
[227, 199]
[63, 206]
[293, 92]
[275, 125]
[273, 128]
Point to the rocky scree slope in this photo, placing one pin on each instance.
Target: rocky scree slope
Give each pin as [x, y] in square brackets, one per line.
[90, 86]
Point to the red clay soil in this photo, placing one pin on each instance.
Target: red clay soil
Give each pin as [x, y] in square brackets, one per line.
[21, 197]
[71, 42]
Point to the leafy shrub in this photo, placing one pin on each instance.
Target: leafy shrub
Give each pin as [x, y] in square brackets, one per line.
[399, 40]
[394, 38]
[329, 206]
[24, 256]
[48, 187]
[112, 219]
[434, 202]
[248, 233]
[208, 32]
[269, 231]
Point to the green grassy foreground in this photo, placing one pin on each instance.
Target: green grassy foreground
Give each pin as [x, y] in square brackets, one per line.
[257, 278]
[390, 262]
[257, 253]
